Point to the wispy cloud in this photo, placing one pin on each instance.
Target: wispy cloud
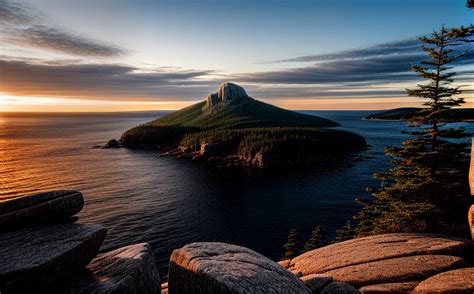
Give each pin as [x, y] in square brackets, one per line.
[384, 63]
[14, 13]
[109, 81]
[410, 47]
[362, 72]
[24, 25]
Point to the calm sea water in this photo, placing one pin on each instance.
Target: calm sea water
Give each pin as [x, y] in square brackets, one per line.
[169, 202]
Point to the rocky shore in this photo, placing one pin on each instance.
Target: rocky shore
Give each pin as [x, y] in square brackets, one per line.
[243, 163]
[43, 249]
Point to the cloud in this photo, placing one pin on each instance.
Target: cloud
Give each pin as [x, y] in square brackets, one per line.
[108, 81]
[385, 63]
[379, 71]
[328, 92]
[13, 13]
[68, 78]
[66, 42]
[23, 25]
[362, 72]
[410, 46]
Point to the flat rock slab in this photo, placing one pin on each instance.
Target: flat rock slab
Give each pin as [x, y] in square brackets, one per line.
[455, 281]
[402, 269]
[36, 257]
[129, 269]
[211, 267]
[379, 247]
[39, 208]
[392, 288]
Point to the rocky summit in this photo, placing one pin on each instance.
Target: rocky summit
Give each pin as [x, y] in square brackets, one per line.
[226, 93]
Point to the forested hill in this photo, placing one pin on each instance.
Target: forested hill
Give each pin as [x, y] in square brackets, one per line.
[230, 123]
[240, 113]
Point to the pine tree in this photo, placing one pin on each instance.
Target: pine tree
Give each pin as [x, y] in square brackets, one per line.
[293, 246]
[344, 233]
[427, 188]
[317, 239]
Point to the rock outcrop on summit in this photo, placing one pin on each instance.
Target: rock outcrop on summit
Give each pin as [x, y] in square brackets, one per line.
[226, 93]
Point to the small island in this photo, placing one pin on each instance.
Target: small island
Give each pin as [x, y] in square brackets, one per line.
[405, 113]
[232, 128]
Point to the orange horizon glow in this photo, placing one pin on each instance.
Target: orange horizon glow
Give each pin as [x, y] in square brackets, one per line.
[10, 103]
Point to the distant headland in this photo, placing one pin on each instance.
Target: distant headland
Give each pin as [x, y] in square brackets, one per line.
[234, 129]
[460, 114]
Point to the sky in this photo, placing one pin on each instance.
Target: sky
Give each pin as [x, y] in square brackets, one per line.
[117, 55]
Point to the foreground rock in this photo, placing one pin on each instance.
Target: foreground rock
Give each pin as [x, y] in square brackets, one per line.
[34, 258]
[403, 269]
[40, 208]
[129, 269]
[456, 281]
[402, 287]
[375, 248]
[211, 267]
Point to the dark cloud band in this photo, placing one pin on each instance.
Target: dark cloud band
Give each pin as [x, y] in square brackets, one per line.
[108, 81]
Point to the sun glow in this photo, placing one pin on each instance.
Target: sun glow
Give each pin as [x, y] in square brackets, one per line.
[10, 103]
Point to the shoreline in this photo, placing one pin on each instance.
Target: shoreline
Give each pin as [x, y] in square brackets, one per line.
[240, 163]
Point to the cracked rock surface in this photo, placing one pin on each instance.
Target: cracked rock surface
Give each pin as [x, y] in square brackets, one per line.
[403, 269]
[402, 287]
[211, 267]
[40, 208]
[374, 248]
[130, 269]
[387, 263]
[36, 257]
[455, 281]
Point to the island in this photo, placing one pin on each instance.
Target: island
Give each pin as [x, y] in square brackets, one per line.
[404, 113]
[232, 128]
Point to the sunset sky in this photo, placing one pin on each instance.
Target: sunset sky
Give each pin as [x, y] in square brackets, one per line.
[117, 55]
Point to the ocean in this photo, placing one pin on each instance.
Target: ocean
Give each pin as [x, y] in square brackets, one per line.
[142, 196]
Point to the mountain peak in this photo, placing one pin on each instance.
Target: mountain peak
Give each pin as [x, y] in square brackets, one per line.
[227, 92]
